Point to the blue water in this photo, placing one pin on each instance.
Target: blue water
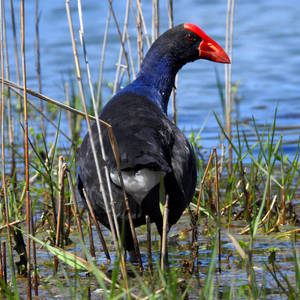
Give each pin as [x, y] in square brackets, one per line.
[266, 57]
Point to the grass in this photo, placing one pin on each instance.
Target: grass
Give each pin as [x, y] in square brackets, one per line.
[260, 172]
[257, 194]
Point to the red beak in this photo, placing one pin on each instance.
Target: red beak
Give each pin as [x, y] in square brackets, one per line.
[211, 50]
[208, 49]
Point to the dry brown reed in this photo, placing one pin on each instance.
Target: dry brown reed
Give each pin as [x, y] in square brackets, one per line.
[1, 265]
[122, 48]
[75, 209]
[100, 76]
[113, 143]
[155, 20]
[4, 262]
[98, 230]
[91, 238]
[26, 153]
[3, 162]
[13, 22]
[61, 203]
[82, 95]
[203, 181]
[109, 209]
[9, 107]
[217, 204]
[38, 61]
[49, 100]
[140, 39]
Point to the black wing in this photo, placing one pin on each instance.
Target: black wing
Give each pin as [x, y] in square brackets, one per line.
[146, 138]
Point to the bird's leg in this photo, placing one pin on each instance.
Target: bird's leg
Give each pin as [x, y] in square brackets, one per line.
[128, 243]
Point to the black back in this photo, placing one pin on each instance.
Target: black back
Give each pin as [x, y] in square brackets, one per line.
[146, 138]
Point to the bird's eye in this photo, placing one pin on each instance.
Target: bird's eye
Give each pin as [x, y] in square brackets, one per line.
[189, 37]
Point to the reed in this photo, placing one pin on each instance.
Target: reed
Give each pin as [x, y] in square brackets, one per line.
[100, 235]
[16, 52]
[9, 106]
[113, 142]
[60, 213]
[112, 225]
[26, 154]
[164, 239]
[257, 191]
[100, 77]
[155, 20]
[140, 41]
[122, 42]
[38, 60]
[217, 204]
[75, 209]
[228, 75]
[3, 161]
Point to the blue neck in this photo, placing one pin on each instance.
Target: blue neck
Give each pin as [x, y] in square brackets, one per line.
[156, 79]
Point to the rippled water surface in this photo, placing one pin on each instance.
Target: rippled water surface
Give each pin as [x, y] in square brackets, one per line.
[233, 275]
[266, 58]
[266, 62]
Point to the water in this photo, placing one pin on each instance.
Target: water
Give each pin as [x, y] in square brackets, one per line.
[233, 275]
[266, 58]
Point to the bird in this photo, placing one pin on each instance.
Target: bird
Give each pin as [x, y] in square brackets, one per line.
[152, 149]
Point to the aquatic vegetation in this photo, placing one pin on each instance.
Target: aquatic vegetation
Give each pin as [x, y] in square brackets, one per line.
[238, 239]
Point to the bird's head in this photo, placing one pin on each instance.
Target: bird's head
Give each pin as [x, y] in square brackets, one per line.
[207, 48]
[187, 42]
